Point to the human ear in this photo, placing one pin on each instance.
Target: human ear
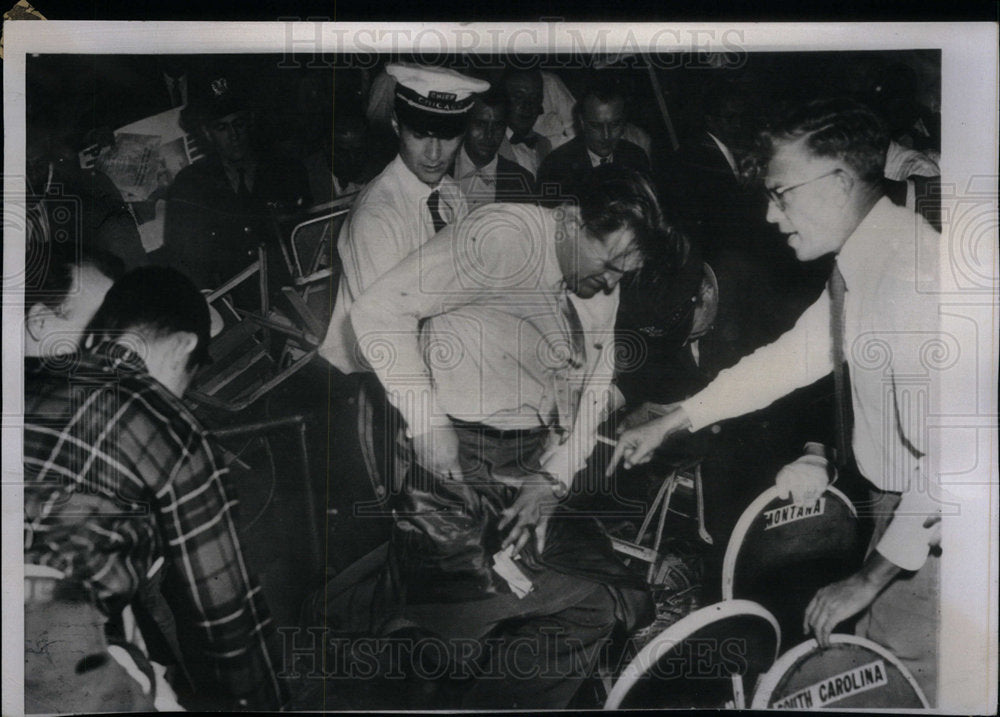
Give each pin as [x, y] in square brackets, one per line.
[394, 122]
[182, 345]
[34, 321]
[845, 182]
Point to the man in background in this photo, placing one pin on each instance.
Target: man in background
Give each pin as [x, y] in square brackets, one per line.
[218, 208]
[483, 175]
[523, 144]
[601, 121]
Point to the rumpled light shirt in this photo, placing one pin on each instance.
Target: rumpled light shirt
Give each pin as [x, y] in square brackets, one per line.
[891, 315]
[387, 222]
[478, 184]
[473, 325]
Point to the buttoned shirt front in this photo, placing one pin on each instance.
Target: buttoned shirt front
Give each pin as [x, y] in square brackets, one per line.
[891, 318]
[475, 325]
[387, 222]
[478, 184]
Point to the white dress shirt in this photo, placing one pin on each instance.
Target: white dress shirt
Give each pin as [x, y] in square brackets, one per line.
[596, 160]
[474, 326]
[478, 184]
[528, 157]
[891, 317]
[388, 221]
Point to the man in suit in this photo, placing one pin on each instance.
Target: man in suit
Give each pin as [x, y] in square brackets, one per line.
[522, 144]
[218, 207]
[601, 120]
[484, 176]
[702, 186]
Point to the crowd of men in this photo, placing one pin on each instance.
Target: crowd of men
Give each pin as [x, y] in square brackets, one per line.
[517, 279]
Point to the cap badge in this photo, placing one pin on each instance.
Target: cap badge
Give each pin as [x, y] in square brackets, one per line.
[220, 86]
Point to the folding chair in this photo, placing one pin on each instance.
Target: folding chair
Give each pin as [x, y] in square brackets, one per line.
[710, 658]
[307, 241]
[853, 673]
[243, 369]
[264, 430]
[780, 553]
[685, 477]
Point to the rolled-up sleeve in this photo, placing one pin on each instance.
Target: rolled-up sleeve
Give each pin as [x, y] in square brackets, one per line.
[799, 357]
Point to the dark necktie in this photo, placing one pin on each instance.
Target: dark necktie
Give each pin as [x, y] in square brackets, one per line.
[243, 192]
[605, 160]
[837, 289]
[175, 91]
[434, 204]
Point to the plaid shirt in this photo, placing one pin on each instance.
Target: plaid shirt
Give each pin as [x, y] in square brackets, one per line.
[118, 473]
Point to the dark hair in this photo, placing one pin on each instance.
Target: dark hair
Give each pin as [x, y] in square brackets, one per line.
[157, 299]
[50, 271]
[535, 73]
[612, 198]
[842, 128]
[603, 89]
[495, 98]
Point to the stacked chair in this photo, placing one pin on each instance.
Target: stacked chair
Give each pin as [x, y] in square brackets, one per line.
[748, 650]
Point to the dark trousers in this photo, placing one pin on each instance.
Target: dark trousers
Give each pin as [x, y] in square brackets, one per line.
[531, 652]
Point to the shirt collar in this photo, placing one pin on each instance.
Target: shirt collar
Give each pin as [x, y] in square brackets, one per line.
[465, 167]
[867, 246]
[233, 175]
[595, 160]
[107, 357]
[726, 152]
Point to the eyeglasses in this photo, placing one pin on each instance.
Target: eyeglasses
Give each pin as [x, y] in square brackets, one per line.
[629, 260]
[777, 196]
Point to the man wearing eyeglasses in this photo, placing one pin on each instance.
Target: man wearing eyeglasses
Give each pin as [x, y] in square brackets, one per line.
[822, 169]
[601, 121]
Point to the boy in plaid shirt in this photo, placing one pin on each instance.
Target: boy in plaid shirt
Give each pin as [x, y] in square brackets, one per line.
[121, 483]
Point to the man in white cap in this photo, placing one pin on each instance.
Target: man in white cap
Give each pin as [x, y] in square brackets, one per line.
[404, 206]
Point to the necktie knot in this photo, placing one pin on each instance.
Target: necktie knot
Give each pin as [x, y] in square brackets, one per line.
[605, 160]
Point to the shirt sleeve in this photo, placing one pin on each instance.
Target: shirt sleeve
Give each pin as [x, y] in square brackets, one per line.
[906, 542]
[449, 271]
[373, 245]
[799, 357]
[220, 597]
[914, 468]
